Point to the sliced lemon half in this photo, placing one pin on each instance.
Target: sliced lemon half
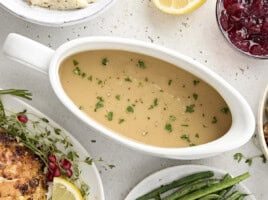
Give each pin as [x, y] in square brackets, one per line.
[65, 190]
[178, 7]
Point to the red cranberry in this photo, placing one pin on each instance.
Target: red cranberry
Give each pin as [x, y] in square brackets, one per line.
[49, 176]
[22, 118]
[52, 165]
[52, 158]
[69, 172]
[56, 172]
[65, 164]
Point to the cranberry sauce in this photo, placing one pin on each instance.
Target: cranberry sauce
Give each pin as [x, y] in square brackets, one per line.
[246, 24]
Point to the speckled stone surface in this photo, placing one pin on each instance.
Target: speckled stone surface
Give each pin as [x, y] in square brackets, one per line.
[195, 35]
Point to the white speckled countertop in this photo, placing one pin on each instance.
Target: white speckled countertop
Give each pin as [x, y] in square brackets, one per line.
[195, 35]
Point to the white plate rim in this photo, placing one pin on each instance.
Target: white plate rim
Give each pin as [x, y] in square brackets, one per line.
[58, 24]
[260, 122]
[75, 142]
[161, 174]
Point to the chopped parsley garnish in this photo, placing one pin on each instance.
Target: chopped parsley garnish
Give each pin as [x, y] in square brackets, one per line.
[104, 61]
[109, 116]
[196, 82]
[172, 118]
[225, 110]
[99, 104]
[141, 64]
[130, 109]
[190, 108]
[81, 108]
[77, 71]
[169, 82]
[214, 120]
[99, 82]
[195, 96]
[197, 135]
[146, 79]
[168, 127]
[128, 79]
[161, 90]
[155, 103]
[186, 138]
[75, 62]
[248, 160]
[120, 121]
[118, 97]
[83, 75]
[89, 78]
[88, 160]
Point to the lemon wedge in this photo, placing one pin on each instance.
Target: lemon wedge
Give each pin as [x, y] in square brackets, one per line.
[178, 7]
[65, 190]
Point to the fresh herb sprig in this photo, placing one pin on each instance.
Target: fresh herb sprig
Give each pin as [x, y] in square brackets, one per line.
[43, 139]
[17, 92]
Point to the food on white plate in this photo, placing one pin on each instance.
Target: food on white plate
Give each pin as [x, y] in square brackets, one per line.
[33, 153]
[21, 171]
[199, 186]
[145, 98]
[61, 4]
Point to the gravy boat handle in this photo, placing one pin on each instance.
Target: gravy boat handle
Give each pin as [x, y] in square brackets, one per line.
[28, 52]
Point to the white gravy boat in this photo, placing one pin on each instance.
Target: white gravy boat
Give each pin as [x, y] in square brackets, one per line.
[44, 59]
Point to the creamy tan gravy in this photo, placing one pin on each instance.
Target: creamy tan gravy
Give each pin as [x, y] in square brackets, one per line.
[144, 98]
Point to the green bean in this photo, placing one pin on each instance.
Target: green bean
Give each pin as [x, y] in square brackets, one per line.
[175, 184]
[157, 197]
[210, 196]
[215, 188]
[225, 192]
[191, 188]
[233, 196]
[242, 197]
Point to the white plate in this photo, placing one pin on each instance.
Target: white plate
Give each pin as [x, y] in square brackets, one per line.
[170, 174]
[89, 173]
[261, 119]
[43, 16]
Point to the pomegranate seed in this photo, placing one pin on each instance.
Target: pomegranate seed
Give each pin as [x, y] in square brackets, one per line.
[49, 176]
[52, 158]
[56, 172]
[52, 165]
[69, 172]
[65, 164]
[22, 118]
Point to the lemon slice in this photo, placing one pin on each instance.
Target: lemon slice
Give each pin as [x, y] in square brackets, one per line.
[65, 190]
[178, 7]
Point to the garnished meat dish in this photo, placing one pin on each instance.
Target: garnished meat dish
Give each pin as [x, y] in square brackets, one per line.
[21, 172]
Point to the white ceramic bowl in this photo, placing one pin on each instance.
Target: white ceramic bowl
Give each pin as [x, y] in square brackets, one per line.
[261, 120]
[170, 174]
[43, 16]
[44, 59]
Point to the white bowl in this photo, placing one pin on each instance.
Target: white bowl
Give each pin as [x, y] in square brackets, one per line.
[170, 174]
[47, 17]
[261, 119]
[44, 59]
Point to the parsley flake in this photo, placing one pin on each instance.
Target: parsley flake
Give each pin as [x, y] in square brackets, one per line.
[104, 61]
[109, 116]
[190, 108]
[130, 109]
[141, 64]
[168, 127]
